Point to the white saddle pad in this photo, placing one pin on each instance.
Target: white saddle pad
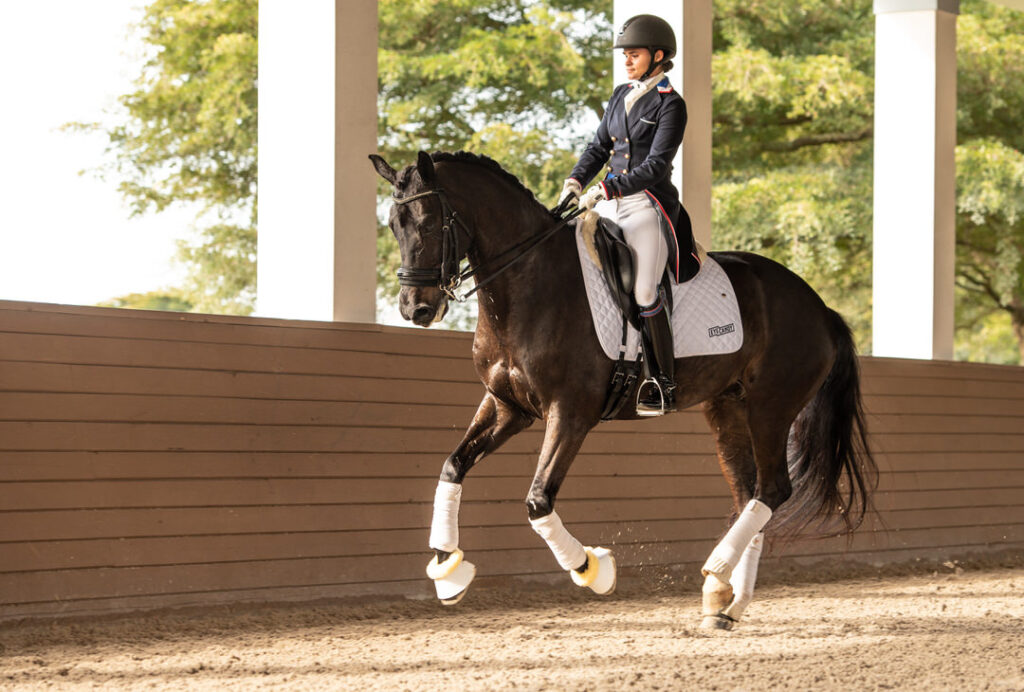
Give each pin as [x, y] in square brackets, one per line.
[705, 317]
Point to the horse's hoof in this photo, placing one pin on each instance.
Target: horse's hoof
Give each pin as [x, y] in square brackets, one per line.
[600, 575]
[718, 621]
[451, 577]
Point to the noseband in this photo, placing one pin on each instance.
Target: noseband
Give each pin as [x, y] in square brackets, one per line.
[447, 277]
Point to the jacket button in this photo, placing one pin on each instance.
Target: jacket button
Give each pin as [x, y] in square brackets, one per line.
[624, 170]
[626, 155]
[615, 140]
[627, 140]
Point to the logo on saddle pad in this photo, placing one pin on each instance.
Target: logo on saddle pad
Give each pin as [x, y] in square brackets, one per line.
[721, 331]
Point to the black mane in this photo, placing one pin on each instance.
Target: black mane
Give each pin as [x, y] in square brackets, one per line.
[484, 161]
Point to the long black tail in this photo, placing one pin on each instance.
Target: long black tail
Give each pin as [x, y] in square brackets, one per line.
[830, 464]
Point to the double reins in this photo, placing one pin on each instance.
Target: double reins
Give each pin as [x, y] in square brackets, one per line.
[448, 277]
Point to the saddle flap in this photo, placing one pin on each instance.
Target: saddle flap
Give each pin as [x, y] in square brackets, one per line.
[618, 263]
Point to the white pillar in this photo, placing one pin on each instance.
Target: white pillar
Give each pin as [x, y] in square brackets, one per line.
[915, 178]
[691, 75]
[317, 190]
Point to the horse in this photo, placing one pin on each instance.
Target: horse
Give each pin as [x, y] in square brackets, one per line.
[785, 409]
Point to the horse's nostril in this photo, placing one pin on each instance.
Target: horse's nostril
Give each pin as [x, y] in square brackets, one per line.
[423, 313]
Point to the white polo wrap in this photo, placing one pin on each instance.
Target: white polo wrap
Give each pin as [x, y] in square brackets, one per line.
[568, 551]
[744, 575]
[726, 555]
[444, 529]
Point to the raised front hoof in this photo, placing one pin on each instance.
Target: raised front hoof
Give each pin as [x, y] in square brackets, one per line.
[601, 574]
[719, 621]
[451, 577]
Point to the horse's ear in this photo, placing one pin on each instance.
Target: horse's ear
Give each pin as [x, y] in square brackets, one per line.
[384, 169]
[425, 165]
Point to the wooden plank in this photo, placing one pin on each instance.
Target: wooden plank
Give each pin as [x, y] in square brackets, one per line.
[962, 424]
[232, 358]
[76, 465]
[944, 405]
[303, 491]
[114, 379]
[79, 465]
[30, 406]
[135, 552]
[78, 524]
[216, 329]
[29, 436]
[202, 492]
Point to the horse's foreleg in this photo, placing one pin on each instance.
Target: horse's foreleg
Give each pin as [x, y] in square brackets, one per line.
[590, 567]
[493, 423]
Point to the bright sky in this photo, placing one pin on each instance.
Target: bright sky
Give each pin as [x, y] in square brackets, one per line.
[66, 238]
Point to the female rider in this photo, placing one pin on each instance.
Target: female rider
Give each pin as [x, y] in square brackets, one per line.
[640, 133]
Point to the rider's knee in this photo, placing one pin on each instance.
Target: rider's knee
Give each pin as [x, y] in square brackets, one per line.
[645, 295]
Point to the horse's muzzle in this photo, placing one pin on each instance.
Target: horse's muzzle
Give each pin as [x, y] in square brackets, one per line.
[423, 307]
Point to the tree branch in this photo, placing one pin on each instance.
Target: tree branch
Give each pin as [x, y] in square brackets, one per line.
[817, 140]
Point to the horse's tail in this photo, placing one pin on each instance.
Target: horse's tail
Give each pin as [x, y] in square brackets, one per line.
[830, 464]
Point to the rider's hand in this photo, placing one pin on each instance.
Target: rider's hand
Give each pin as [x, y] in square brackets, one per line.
[594, 195]
[570, 189]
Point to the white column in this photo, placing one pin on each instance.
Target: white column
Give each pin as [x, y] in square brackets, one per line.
[915, 178]
[691, 75]
[318, 123]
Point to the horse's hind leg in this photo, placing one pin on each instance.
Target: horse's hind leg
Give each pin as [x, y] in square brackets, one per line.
[493, 423]
[725, 599]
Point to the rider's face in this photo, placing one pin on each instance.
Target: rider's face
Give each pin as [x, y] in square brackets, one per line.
[637, 61]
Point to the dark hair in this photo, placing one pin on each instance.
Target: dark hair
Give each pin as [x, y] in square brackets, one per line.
[666, 66]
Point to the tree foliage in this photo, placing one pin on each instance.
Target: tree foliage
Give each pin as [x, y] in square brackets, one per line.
[189, 136]
[793, 103]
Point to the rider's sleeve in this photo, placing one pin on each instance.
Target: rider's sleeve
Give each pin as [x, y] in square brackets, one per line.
[599, 150]
[668, 135]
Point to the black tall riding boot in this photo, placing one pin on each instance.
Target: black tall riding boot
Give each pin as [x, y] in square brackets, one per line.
[657, 395]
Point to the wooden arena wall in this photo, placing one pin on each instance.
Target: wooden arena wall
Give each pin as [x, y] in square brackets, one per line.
[156, 459]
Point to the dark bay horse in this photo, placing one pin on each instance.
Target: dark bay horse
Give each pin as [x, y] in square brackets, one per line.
[785, 410]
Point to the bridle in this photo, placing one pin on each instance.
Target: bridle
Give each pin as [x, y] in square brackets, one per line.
[449, 276]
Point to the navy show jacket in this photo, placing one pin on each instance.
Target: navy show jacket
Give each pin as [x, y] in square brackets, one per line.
[638, 149]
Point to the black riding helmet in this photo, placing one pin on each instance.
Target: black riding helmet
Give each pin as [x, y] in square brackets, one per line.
[650, 32]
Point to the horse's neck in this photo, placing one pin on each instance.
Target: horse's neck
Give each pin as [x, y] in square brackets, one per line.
[535, 284]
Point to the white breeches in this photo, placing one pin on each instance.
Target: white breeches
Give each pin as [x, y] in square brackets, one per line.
[640, 224]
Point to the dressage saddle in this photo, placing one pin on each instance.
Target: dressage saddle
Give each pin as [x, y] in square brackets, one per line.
[618, 265]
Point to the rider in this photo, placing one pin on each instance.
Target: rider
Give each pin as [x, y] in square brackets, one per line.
[641, 132]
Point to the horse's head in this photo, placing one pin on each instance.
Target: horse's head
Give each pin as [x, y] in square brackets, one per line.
[428, 239]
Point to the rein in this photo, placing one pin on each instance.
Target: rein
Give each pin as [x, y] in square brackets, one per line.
[448, 277]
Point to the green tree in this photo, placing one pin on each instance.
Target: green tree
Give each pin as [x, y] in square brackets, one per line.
[793, 92]
[189, 136]
[793, 104]
[990, 182]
